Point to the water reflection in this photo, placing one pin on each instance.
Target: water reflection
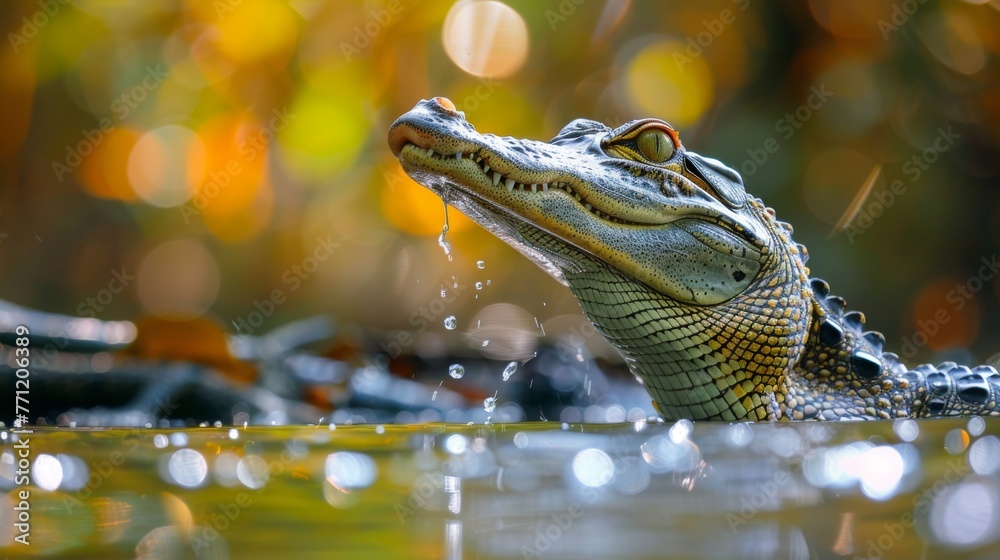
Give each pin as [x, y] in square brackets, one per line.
[880, 471]
[252, 471]
[966, 514]
[349, 471]
[593, 468]
[984, 455]
[187, 468]
[540, 490]
[906, 428]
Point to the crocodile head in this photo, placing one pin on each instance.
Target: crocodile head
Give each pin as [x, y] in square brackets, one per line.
[665, 250]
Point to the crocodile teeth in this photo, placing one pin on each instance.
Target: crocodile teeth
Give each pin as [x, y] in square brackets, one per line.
[534, 188]
[430, 152]
[510, 185]
[496, 178]
[545, 187]
[587, 206]
[486, 168]
[458, 155]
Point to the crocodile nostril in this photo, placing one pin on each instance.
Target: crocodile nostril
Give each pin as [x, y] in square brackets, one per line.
[446, 103]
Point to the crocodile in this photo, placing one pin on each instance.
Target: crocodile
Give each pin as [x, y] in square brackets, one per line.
[696, 282]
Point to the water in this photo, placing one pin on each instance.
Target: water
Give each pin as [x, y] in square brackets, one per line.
[450, 322]
[511, 491]
[456, 371]
[509, 370]
[445, 246]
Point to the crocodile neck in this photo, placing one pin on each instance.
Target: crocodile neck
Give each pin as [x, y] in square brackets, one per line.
[731, 361]
[695, 282]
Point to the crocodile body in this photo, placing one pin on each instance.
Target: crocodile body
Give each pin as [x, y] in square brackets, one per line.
[695, 282]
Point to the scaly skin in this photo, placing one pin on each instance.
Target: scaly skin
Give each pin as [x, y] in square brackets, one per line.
[696, 283]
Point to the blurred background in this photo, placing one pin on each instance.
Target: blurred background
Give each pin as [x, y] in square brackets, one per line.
[227, 160]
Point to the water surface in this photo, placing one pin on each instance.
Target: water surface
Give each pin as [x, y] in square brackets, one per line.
[908, 489]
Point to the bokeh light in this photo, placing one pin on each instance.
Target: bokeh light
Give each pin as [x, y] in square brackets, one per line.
[166, 164]
[485, 38]
[662, 80]
[178, 280]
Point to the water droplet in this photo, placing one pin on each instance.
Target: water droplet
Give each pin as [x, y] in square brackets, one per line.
[443, 293]
[488, 282]
[450, 322]
[444, 230]
[434, 396]
[479, 285]
[456, 371]
[481, 264]
[509, 370]
[490, 404]
[486, 342]
[489, 420]
[380, 429]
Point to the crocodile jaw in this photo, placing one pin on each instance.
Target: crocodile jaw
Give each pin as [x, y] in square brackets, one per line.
[590, 203]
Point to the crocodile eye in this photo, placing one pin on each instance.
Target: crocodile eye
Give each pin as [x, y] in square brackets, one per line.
[655, 145]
